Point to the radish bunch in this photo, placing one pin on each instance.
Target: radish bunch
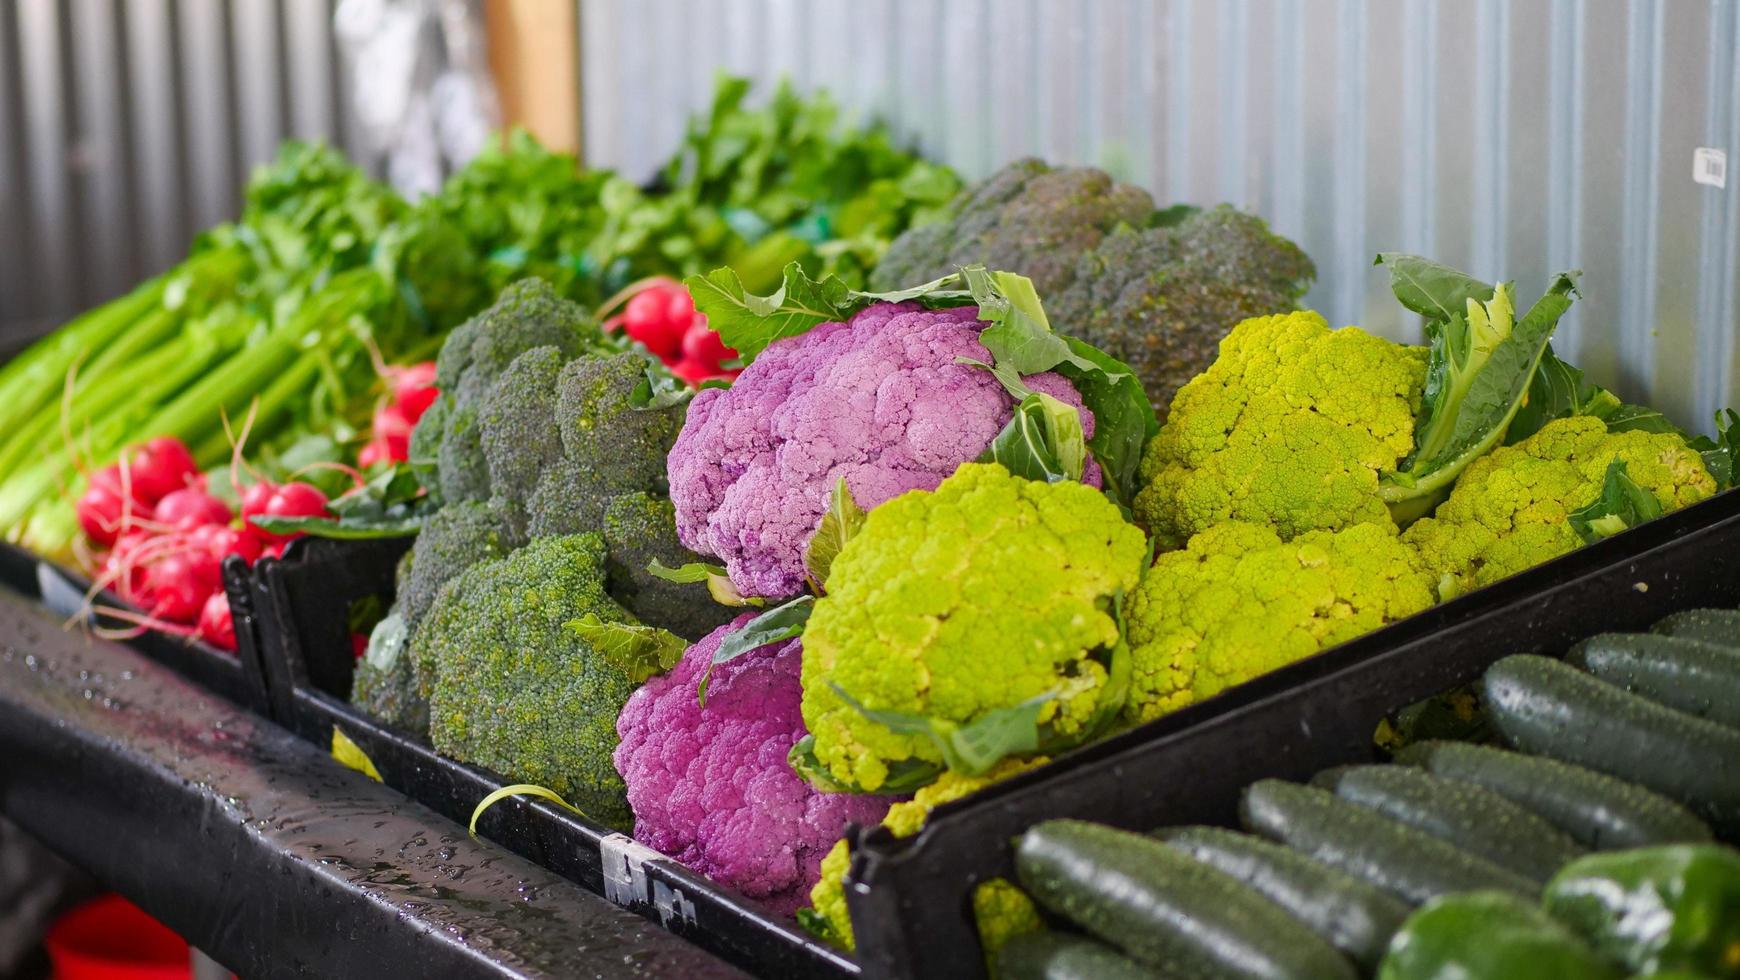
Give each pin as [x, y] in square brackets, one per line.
[162, 536]
[410, 392]
[662, 317]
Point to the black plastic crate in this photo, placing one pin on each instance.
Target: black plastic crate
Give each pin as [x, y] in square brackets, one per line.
[302, 606]
[239, 676]
[910, 899]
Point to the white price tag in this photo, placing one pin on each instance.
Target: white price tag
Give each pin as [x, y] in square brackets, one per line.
[1710, 166]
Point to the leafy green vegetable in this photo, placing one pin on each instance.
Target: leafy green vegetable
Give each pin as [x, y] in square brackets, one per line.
[718, 583]
[1622, 504]
[776, 625]
[972, 748]
[640, 651]
[1041, 441]
[392, 504]
[1560, 391]
[748, 323]
[843, 519]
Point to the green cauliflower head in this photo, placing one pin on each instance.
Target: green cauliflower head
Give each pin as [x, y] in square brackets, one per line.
[986, 593]
[1290, 427]
[1510, 509]
[511, 688]
[1239, 602]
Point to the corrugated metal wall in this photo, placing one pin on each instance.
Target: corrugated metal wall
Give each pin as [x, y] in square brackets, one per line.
[1510, 138]
[126, 126]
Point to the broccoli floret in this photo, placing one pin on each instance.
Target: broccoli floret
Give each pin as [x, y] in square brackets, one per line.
[639, 528]
[1027, 218]
[1510, 510]
[454, 538]
[527, 314]
[426, 440]
[1290, 427]
[1161, 299]
[1152, 289]
[512, 688]
[1001, 910]
[1238, 603]
[463, 473]
[517, 433]
[985, 595]
[623, 446]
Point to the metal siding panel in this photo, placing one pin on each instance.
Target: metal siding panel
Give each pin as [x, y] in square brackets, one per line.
[1681, 109]
[1604, 157]
[52, 253]
[164, 224]
[99, 154]
[1564, 174]
[16, 294]
[259, 95]
[1639, 228]
[309, 69]
[210, 176]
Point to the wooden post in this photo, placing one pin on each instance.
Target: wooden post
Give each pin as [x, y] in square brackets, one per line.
[534, 54]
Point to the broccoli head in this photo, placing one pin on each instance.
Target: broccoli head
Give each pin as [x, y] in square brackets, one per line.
[1002, 910]
[512, 688]
[516, 422]
[1157, 290]
[879, 401]
[453, 539]
[1161, 299]
[1290, 427]
[1510, 510]
[1239, 602]
[710, 785]
[987, 595]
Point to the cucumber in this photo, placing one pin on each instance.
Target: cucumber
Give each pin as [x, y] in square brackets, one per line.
[1352, 915]
[1660, 908]
[1164, 909]
[1598, 811]
[1473, 818]
[1060, 956]
[1489, 936]
[1550, 708]
[1410, 864]
[1718, 626]
[1693, 676]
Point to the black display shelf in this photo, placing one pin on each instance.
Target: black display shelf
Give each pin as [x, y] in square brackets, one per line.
[264, 852]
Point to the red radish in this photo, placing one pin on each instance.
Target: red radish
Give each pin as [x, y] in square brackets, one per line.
[645, 320]
[694, 372]
[359, 644]
[103, 507]
[297, 500]
[178, 588]
[125, 568]
[221, 541]
[276, 548]
[679, 305]
[216, 624]
[256, 497]
[377, 451]
[159, 468]
[703, 346]
[188, 508]
[410, 378]
[414, 403]
[390, 420]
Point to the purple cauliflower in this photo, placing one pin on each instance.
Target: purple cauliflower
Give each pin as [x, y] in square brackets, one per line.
[711, 787]
[879, 400]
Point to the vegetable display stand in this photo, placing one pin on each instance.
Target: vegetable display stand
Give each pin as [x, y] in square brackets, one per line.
[302, 605]
[910, 899]
[237, 676]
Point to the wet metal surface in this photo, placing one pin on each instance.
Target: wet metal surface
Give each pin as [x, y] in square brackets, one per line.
[261, 850]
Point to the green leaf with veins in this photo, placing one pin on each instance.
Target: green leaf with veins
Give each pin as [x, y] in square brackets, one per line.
[839, 524]
[776, 625]
[1020, 335]
[639, 651]
[1436, 292]
[1559, 390]
[1041, 441]
[1621, 504]
[718, 583]
[904, 777]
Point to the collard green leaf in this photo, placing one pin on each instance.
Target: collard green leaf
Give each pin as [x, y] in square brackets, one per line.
[1483, 366]
[1020, 337]
[1436, 292]
[1029, 445]
[637, 650]
[776, 625]
[843, 520]
[1622, 504]
[972, 748]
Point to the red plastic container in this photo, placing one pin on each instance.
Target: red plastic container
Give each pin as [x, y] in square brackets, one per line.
[110, 938]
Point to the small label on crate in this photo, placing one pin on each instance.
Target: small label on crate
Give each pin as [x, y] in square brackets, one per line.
[1710, 166]
[626, 883]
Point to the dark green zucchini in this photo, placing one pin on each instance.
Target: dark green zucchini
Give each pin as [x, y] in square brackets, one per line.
[1060, 956]
[1550, 708]
[1660, 908]
[1353, 915]
[1718, 626]
[1693, 676]
[1598, 811]
[1410, 864]
[1473, 818]
[1163, 908]
[1489, 936]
